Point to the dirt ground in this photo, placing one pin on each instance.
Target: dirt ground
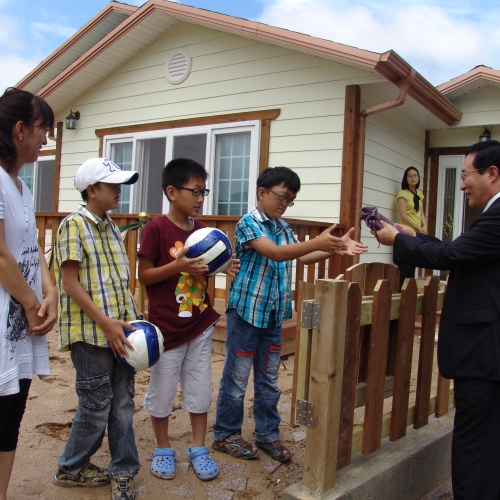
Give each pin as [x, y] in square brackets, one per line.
[52, 404]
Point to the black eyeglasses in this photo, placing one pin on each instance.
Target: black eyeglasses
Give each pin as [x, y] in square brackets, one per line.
[196, 192]
[283, 199]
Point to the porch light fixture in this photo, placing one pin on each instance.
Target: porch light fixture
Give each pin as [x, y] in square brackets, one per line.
[485, 136]
[71, 120]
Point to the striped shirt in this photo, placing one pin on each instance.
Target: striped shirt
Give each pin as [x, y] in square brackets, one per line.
[262, 285]
[104, 274]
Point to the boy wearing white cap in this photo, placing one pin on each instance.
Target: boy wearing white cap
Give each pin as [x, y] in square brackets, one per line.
[92, 271]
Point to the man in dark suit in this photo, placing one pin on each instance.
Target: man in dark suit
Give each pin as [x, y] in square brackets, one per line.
[469, 333]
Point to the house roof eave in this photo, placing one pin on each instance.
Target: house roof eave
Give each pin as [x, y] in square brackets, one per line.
[389, 65]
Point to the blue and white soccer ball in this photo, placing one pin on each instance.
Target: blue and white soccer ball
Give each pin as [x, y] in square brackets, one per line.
[213, 245]
[147, 340]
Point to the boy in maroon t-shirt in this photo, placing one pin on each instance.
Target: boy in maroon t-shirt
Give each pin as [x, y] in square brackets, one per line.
[180, 307]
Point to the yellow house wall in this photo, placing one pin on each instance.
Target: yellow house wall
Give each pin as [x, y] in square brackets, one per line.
[480, 108]
[229, 74]
[393, 143]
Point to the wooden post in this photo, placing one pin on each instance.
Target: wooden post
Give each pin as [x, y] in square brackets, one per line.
[302, 360]
[325, 387]
[424, 375]
[404, 353]
[442, 396]
[377, 364]
[350, 376]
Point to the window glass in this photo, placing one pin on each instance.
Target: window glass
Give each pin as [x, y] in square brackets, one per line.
[39, 177]
[44, 194]
[232, 167]
[150, 161]
[27, 174]
[121, 154]
[193, 147]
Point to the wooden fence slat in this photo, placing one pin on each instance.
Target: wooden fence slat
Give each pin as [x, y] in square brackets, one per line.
[442, 396]
[391, 273]
[325, 386]
[425, 360]
[374, 272]
[377, 365]
[302, 359]
[351, 363]
[356, 274]
[404, 353]
[357, 435]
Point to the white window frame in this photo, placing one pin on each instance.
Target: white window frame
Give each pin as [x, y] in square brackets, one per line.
[40, 159]
[212, 131]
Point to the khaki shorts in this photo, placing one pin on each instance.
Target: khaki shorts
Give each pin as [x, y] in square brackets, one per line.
[191, 364]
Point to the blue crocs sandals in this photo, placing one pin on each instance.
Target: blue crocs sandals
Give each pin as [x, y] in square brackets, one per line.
[163, 464]
[203, 464]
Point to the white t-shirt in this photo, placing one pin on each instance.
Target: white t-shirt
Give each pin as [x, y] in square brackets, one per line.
[21, 353]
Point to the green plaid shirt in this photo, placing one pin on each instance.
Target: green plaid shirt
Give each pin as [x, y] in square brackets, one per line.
[104, 274]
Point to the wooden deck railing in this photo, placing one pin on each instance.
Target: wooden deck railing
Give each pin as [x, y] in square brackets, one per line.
[330, 380]
[47, 224]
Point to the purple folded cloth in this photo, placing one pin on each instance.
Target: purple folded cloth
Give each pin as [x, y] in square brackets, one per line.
[372, 219]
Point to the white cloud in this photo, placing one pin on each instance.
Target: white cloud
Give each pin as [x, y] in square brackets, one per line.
[439, 44]
[54, 29]
[18, 66]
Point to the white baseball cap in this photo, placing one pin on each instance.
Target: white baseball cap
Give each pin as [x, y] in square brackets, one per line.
[102, 170]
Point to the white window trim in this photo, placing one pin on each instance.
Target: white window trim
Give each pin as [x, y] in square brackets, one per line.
[253, 126]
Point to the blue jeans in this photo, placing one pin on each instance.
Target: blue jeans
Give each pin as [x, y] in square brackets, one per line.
[105, 390]
[247, 346]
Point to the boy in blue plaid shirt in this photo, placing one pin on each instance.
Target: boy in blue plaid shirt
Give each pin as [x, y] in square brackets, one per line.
[260, 299]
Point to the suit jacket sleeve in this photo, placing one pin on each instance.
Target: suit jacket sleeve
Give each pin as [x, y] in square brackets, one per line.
[478, 246]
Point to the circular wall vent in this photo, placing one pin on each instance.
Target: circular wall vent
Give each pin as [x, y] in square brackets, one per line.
[178, 66]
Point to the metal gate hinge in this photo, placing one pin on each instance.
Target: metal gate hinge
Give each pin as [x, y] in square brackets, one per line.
[311, 314]
[304, 413]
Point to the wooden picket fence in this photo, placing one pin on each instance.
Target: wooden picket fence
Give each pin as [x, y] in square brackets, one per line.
[355, 349]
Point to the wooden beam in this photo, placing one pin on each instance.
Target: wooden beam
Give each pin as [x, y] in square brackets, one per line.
[267, 114]
[350, 150]
[426, 355]
[325, 386]
[433, 180]
[377, 364]
[302, 360]
[459, 150]
[350, 377]
[265, 139]
[48, 152]
[57, 167]
[404, 354]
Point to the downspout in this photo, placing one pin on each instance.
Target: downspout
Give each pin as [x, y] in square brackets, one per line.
[403, 91]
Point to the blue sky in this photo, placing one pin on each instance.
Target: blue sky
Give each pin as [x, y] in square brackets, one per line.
[440, 38]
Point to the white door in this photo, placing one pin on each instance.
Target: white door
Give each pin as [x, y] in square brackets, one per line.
[450, 201]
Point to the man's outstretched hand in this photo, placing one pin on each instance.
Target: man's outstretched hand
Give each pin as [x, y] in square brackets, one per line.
[386, 235]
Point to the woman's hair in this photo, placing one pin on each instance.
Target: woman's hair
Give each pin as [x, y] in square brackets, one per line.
[404, 182]
[20, 106]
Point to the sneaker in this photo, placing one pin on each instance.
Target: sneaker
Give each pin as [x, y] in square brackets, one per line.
[236, 446]
[275, 450]
[89, 476]
[122, 488]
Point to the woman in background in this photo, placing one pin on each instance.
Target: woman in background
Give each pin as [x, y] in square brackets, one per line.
[411, 210]
[28, 299]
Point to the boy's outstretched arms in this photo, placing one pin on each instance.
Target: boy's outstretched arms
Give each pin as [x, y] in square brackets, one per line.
[353, 247]
[325, 242]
